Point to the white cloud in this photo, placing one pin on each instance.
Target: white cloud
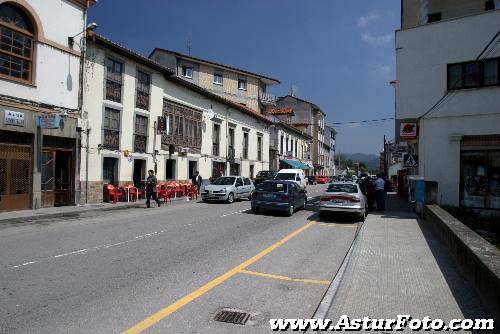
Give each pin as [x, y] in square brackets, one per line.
[364, 21]
[378, 40]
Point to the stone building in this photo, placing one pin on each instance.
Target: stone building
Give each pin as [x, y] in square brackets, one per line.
[235, 84]
[126, 93]
[40, 95]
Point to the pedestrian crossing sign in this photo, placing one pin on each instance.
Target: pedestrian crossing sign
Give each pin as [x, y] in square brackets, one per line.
[410, 160]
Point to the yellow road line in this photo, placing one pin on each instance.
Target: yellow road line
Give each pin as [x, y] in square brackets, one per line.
[163, 313]
[284, 278]
[337, 225]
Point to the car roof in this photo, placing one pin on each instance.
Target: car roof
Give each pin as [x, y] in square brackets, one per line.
[342, 183]
[289, 170]
[279, 181]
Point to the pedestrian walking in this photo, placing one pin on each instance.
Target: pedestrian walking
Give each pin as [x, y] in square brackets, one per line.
[197, 181]
[380, 192]
[151, 190]
[370, 193]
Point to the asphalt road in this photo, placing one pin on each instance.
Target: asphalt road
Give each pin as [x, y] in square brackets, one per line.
[168, 269]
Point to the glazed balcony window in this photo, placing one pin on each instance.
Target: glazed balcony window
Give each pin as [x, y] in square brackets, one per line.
[143, 90]
[183, 127]
[140, 134]
[114, 80]
[111, 129]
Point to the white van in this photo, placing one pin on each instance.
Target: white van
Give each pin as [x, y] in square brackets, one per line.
[296, 175]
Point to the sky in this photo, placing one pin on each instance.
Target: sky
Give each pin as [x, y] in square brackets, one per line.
[338, 54]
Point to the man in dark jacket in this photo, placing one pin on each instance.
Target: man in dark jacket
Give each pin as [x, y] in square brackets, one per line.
[197, 181]
[151, 190]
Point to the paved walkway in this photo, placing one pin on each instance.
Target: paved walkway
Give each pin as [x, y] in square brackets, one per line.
[398, 267]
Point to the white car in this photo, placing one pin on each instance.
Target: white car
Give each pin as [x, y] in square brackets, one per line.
[343, 197]
[296, 175]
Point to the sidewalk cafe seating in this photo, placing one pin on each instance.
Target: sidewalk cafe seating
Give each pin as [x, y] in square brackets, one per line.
[114, 193]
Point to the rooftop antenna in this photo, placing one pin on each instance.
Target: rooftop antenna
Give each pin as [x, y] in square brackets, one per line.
[188, 42]
[293, 90]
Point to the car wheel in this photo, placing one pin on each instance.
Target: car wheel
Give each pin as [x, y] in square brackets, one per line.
[291, 210]
[255, 209]
[362, 216]
[230, 198]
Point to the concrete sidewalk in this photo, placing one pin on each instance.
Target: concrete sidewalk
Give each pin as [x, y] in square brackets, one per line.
[397, 267]
[22, 216]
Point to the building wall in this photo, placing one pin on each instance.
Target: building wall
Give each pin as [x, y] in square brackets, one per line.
[429, 49]
[94, 104]
[56, 70]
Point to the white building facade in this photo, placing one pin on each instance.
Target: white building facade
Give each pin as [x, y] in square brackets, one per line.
[125, 94]
[448, 75]
[40, 79]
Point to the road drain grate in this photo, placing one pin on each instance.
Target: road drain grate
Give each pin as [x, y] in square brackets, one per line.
[232, 317]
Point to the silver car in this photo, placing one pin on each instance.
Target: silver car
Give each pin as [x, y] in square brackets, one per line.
[227, 189]
[343, 197]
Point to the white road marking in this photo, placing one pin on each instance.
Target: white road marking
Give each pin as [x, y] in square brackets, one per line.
[107, 246]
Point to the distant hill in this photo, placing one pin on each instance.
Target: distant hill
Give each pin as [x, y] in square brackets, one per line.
[371, 160]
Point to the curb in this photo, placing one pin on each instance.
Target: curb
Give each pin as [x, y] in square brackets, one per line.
[71, 214]
[329, 296]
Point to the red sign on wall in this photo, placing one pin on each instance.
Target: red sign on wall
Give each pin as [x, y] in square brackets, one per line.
[408, 130]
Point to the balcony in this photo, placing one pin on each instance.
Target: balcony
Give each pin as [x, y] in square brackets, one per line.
[113, 91]
[142, 100]
[230, 153]
[267, 99]
[140, 143]
[111, 140]
[215, 149]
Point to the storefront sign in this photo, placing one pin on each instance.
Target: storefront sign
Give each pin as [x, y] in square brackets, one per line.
[14, 118]
[49, 121]
[408, 131]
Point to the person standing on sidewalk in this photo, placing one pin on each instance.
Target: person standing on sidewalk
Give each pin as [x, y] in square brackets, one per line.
[380, 192]
[151, 190]
[370, 193]
[197, 181]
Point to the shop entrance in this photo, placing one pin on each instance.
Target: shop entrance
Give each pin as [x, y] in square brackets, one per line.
[56, 177]
[139, 172]
[15, 177]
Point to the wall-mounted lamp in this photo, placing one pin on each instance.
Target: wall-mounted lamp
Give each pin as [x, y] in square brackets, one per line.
[91, 27]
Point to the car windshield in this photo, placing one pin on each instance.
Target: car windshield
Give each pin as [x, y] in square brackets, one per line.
[266, 174]
[224, 181]
[273, 187]
[342, 188]
[285, 176]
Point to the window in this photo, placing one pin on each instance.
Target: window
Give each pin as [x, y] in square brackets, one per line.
[434, 17]
[246, 181]
[234, 169]
[474, 74]
[218, 79]
[291, 147]
[218, 169]
[142, 91]
[252, 171]
[230, 151]
[140, 133]
[489, 5]
[281, 144]
[114, 74]
[259, 148]
[242, 84]
[183, 127]
[170, 169]
[216, 139]
[16, 44]
[110, 171]
[187, 72]
[480, 186]
[245, 145]
[239, 182]
[111, 128]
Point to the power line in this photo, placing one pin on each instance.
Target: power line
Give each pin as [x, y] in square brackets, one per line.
[364, 121]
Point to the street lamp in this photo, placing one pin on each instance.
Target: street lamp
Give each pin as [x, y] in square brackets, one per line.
[91, 27]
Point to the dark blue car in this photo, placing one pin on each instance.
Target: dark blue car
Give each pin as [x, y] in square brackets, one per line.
[278, 195]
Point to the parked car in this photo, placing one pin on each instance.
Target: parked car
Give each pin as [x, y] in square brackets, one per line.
[311, 180]
[296, 175]
[285, 196]
[322, 179]
[227, 189]
[264, 175]
[343, 198]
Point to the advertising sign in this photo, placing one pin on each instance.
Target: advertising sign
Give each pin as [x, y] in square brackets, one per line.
[49, 121]
[14, 118]
[408, 131]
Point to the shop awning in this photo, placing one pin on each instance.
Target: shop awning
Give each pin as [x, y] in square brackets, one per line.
[295, 164]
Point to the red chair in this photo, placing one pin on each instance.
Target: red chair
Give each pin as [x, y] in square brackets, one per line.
[132, 193]
[114, 193]
[192, 192]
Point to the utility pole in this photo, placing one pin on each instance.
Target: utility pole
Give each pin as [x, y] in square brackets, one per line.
[385, 158]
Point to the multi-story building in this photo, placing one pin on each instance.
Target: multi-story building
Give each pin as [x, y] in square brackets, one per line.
[237, 85]
[40, 91]
[447, 97]
[128, 97]
[330, 135]
[310, 119]
[289, 147]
